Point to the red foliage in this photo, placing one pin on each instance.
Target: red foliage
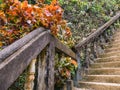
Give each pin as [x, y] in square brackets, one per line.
[19, 18]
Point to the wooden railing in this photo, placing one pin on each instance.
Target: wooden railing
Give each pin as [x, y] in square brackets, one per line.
[94, 45]
[41, 46]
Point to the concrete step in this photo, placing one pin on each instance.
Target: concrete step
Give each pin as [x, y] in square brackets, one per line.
[113, 45]
[116, 37]
[107, 56]
[106, 64]
[105, 71]
[116, 41]
[112, 49]
[111, 53]
[117, 34]
[103, 78]
[108, 59]
[81, 89]
[100, 86]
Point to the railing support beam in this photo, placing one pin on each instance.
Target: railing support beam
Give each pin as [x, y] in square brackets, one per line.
[51, 63]
[78, 76]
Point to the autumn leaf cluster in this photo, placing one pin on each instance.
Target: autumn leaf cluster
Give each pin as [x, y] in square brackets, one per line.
[19, 18]
[64, 70]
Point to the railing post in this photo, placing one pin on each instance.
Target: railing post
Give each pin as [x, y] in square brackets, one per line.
[41, 71]
[93, 50]
[69, 84]
[78, 76]
[99, 48]
[107, 37]
[29, 84]
[87, 62]
[50, 65]
[102, 40]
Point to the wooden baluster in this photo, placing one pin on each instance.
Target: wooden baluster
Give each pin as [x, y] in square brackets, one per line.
[98, 47]
[107, 37]
[69, 85]
[106, 40]
[78, 76]
[112, 30]
[111, 34]
[102, 42]
[50, 66]
[86, 62]
[90, 53]
[29, 85]
[93, 51]
[41, 71]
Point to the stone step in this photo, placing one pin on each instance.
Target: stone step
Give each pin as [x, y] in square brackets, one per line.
[107, 56]
[108, 59]
[106, 71]
[100, 86]
[113, 45]
[103, 78]
[81, 89]
[111, 53]
[116, 37]
[112, 49]
[116, 41]
[117, 34]
[106, 64]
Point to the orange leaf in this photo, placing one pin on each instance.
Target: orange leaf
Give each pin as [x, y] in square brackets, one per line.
[1, 44]
[24, 4]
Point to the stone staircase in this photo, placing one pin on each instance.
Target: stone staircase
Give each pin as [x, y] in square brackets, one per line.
[104, 74]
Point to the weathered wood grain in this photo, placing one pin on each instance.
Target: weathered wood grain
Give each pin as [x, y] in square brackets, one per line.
[41, 71]
[13, 66]
[69, 85]
[97, 32]
[51, 65]
[19, 43]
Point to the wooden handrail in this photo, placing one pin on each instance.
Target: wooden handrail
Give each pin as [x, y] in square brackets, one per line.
[98, 32]
[64, 49]
[18, 44]
[16, 63]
